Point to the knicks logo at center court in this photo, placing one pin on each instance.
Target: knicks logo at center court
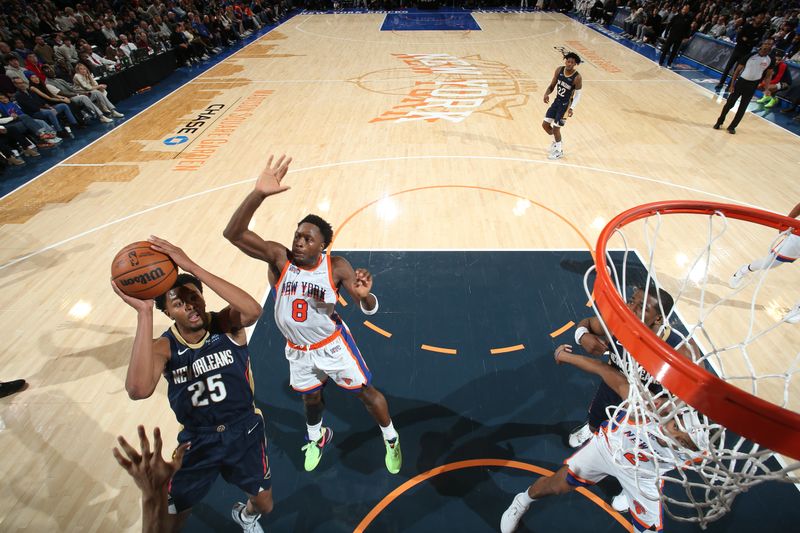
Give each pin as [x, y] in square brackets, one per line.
[451, 88]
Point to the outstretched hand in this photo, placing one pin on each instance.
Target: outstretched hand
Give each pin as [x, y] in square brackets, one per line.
[363, 283]
[176, 254]
[136, 303]
[560, 351]
[269, 181]
[148, 469]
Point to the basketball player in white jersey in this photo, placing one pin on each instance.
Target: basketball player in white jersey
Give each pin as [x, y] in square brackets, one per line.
[787, 251]
[641, 440]
[319, 347]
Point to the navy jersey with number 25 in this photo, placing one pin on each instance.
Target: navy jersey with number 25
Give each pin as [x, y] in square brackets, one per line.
[210, 383]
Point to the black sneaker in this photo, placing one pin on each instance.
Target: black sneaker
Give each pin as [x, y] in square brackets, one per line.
[717, 125]
[732, 130]
[10, 387]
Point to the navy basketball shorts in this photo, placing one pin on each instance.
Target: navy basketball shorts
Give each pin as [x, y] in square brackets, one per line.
[555, 114]
[237, 451]
[603, 397]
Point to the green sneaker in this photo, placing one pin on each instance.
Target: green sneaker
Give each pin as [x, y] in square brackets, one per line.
[314, 449]
[394, 456]
[763, 99]
[772, 103]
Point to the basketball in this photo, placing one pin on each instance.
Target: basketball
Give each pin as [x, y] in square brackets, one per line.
[141, 272]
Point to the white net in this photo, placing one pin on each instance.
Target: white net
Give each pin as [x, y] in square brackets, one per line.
[742, 334]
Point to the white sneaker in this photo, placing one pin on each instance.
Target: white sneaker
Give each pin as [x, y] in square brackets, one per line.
[793, 316]
[104, 119]
[580, 435]
[738, 277]
[620, 503]
[511, 517]
[552, 147]
[249, 526]
[116, 114]
[556, 154]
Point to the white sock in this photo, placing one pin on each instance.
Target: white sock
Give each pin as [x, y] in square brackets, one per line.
[527, 500]
[558, 145]
[247, 517]
[388, 432]
[315, 431]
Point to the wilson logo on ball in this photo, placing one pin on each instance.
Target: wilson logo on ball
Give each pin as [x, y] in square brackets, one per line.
[147, 277]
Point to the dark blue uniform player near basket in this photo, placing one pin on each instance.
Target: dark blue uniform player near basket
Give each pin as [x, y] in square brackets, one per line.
[567, 83]
[205, 360]
[591, 335]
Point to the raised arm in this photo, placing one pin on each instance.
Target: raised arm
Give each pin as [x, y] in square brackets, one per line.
[237, 232]
[612, 377]
[591, 336]
[148, 356]
[243, 310]
[358, 283]
[152, 475]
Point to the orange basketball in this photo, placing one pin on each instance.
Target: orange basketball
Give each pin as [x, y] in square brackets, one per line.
[142, 272]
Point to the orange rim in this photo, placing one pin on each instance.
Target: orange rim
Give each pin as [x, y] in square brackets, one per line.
[759, 420]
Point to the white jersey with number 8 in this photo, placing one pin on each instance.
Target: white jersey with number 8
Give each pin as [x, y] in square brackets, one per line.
[305, 299]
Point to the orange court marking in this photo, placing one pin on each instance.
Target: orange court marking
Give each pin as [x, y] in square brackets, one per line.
[562, 329]
[376, 329]
[515, 348]
[472, 463]
[448, 351]
[355, 213]
[342, 301]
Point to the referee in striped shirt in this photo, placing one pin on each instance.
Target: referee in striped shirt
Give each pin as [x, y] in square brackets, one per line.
[748, 74]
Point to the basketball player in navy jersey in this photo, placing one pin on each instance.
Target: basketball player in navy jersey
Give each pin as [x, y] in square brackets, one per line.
[567, 83]
[591, 336]
[628, 435]
[319, 347]
[204, 358]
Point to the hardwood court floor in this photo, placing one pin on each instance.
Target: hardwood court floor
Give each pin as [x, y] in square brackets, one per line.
[376, 156]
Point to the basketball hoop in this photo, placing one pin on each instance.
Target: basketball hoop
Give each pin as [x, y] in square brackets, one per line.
[739, 430]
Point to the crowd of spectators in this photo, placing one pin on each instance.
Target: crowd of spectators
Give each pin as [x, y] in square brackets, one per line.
[744, 23]
[55, 54]
[650, 20]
